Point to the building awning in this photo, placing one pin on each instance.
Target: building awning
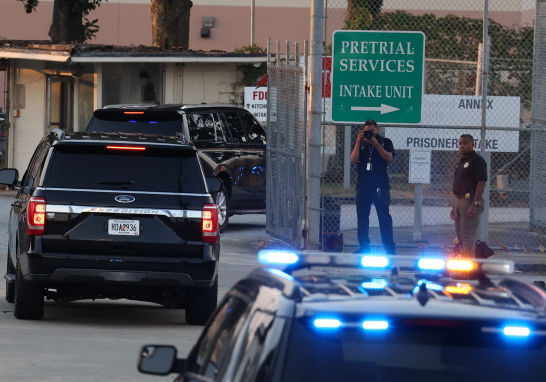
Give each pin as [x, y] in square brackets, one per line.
[35, 54]
[164, 58]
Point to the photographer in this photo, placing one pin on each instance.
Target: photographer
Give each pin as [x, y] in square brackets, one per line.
[373, 153]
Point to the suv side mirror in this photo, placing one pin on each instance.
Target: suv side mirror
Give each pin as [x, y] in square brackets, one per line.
[214, 184]
[159, 360]
[9, 177]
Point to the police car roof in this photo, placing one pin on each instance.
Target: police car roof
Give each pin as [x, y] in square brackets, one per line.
[321, 293]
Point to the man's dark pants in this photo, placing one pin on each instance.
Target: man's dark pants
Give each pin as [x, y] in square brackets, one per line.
[381, 200]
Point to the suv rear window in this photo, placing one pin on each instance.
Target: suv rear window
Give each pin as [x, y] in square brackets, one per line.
[164, 122]
[155, 169]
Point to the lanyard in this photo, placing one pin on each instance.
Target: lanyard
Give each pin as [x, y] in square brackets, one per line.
[371, 152]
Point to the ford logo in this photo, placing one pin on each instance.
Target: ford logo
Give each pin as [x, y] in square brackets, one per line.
[124, 199]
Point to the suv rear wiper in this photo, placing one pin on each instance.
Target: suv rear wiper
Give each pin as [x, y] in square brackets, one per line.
[122, 183]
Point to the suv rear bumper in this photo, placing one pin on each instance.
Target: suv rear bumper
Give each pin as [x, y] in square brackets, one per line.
[62, 268]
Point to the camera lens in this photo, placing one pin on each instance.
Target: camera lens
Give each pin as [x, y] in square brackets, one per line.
[368, 134]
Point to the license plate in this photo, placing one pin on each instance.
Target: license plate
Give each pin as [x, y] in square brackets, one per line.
[123, 227]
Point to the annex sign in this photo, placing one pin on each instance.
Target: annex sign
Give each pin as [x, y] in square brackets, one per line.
[406, 138]
[457, 110]
[377, 75]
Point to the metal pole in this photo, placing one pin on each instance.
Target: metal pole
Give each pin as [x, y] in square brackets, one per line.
[347, 158]
[418, 213]
[252, 13]
[484, 221]
[305, 116]
[278, 55]
[287, 52]
[296, 55]
[315, 116]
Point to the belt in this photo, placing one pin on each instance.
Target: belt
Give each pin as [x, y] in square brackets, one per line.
[468, 195]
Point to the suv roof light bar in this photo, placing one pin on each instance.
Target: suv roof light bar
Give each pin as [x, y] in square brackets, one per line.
[295, 260]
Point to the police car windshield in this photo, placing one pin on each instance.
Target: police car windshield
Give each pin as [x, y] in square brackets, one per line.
[418, 353]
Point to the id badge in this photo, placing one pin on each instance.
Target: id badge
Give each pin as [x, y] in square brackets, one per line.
[369, 167]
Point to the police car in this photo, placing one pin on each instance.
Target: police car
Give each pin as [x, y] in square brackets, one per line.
[368, 318]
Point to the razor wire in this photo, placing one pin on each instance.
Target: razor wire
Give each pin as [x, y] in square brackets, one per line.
[286, 147]
[452, 106]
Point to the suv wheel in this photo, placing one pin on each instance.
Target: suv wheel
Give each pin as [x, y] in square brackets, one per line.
[10, 288]
[201, 303]
[222, 204]
[29, 298]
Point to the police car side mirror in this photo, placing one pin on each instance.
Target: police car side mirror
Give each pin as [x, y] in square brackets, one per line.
[159, 360]
[214, 184]
[9, 177]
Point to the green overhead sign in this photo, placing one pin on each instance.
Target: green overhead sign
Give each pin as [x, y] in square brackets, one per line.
[377, 75]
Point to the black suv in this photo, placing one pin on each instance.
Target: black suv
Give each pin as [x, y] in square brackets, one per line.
[230, 141]
[343, 320]
[113, 216]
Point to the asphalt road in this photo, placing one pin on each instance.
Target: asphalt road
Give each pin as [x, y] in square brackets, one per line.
[99, 340]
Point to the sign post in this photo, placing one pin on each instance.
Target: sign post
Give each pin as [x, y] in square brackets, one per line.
[378, 75]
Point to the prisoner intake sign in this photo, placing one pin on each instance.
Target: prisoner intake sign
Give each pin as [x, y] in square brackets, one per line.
[377, 75]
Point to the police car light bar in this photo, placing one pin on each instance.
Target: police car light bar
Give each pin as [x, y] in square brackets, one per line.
[294, 260]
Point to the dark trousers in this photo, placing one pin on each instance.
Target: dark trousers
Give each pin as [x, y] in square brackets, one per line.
[381, 200]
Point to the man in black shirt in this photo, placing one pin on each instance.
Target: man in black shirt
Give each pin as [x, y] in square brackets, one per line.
[468, 185]
[373, 156]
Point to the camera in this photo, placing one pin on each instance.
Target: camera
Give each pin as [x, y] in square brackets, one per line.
[367, 134]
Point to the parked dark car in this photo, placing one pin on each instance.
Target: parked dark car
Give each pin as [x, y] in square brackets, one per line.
[113, 216]
[322, 323]
[230, 141]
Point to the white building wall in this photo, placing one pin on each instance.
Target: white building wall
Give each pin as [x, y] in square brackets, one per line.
[28, 129]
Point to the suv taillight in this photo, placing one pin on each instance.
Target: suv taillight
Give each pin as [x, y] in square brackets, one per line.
[36, 216]
[210, 223]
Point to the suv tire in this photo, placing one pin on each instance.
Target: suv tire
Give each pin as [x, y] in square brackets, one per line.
[29, 299]
[10, 288]
[201, 303]
[222, 204]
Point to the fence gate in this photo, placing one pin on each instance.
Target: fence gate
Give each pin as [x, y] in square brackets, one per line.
[286, 122]
[455, 62]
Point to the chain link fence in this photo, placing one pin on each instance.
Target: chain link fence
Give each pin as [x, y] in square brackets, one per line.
[3, 91]
[286, 123]
[455, 60]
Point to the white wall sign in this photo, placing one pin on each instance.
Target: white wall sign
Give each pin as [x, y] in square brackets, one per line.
[426, 138]
[256, 102]
[419, 166]
[454, 110]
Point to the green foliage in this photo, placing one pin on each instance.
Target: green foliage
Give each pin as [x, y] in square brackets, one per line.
[80, 7]
[362, 13]
[458, 38]
[251, 73]
[91, 29]
[30, 5]
[250, 49]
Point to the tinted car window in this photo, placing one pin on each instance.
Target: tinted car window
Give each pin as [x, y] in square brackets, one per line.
[153, 169]
[257, 353]
[418, 353]
[255, 131]
[220, 352]
[204, 127]
[233, 123]
[166, 123]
